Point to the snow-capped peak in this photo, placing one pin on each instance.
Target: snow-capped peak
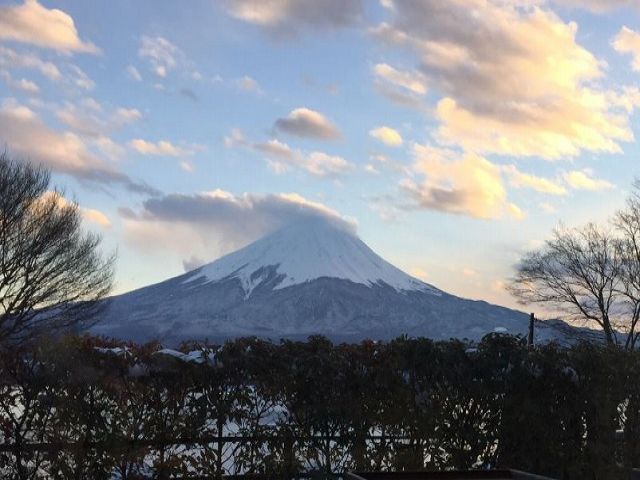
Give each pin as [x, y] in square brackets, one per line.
[306, 251]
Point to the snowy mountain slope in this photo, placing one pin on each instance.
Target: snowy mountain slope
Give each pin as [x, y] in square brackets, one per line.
[314, 277]
[306, 251]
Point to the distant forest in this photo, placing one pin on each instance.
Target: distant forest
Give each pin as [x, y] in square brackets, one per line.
[85, 407]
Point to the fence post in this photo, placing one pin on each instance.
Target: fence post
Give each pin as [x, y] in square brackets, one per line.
[532, 320]
[289, 455]
[220, 447]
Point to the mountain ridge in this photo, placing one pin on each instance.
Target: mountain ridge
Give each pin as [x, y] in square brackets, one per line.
[309, 278]
[329, 250]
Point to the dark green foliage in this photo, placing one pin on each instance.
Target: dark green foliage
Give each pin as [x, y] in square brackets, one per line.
[68, 410]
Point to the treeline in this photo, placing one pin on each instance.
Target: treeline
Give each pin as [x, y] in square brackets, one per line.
[76, 409]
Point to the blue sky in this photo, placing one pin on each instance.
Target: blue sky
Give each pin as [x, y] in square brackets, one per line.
[455, 134]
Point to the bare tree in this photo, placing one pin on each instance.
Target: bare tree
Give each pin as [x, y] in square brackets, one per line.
[577, 272]
[51, 271]
[627, 222]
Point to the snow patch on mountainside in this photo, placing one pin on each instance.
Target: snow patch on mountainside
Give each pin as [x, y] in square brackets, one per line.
[307, 251]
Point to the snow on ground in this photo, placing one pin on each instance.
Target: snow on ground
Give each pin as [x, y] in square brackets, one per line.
[117, 351]
[194, 356]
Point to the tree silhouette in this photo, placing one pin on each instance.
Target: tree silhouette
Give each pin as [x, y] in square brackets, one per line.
[51, 271]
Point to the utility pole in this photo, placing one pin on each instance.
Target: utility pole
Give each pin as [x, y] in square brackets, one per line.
[532, 319]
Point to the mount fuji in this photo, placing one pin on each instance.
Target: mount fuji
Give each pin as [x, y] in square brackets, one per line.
[312, 277]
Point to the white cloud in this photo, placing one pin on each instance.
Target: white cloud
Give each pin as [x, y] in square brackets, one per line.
[419, 273]
[87, 118]
[109, 148]
[387, 135]
[320, 164]
[515, 211]
[469, 272]
[498, 286]
[390, 164]
[628, 41]
[274, 148]
[161, 54]
[123, 116]
[92, 104]
[96, 216]
[213, 223]
[519, 179]
[413, 81]
[11, 59]
[187, 166]
[466, 185]
[27, 86]
[547, 207]
[88, 214]
[598, 6]
[80, 121]
[235, 139]
[288, 17]
[387, 207]
[192, 263]
[511, 76]
[162, 147]
[32, 23]
[27, 136]
[248, 84]
[281, 158]
[80, 78]
[584, 180]
[371, 169]
[304, 122]
[402, 87]
[134, 73]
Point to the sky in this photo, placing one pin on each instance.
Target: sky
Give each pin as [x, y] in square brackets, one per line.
[453, 134]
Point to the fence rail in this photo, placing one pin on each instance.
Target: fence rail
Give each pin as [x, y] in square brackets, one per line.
[411, 404]
[188, 441]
